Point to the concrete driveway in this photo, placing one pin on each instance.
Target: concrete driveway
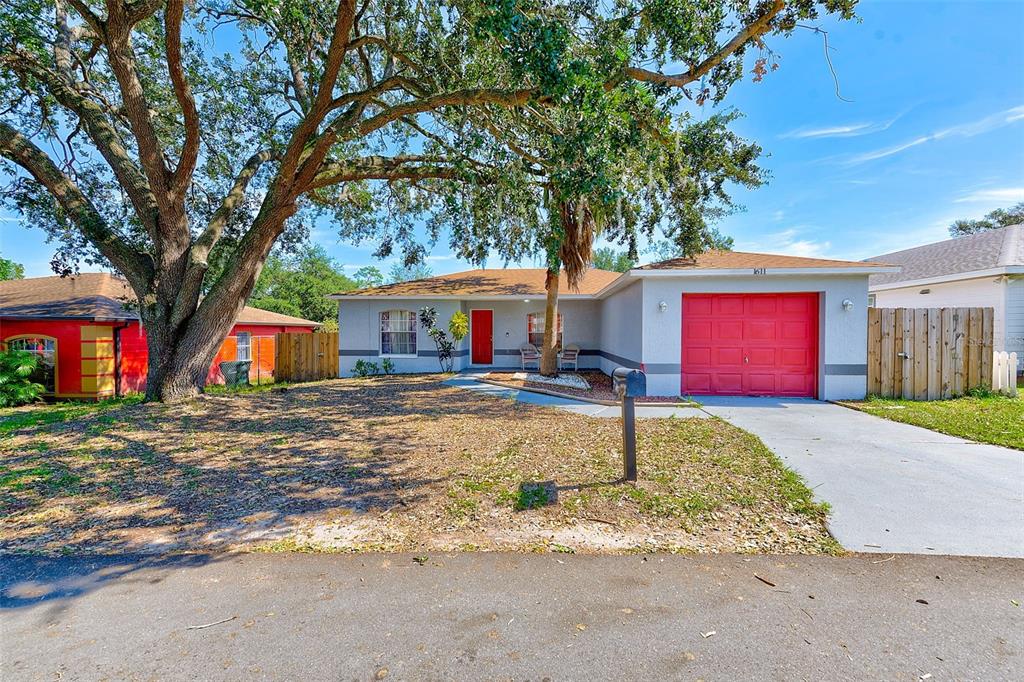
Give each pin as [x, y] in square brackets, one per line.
[893, 487]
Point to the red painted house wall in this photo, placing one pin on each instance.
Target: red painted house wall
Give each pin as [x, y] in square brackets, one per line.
[134, 353]
[68, 335]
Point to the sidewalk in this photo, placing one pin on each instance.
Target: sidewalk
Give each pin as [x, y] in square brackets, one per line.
[467, 381]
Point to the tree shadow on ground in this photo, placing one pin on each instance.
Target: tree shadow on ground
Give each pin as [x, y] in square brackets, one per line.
[229, 468]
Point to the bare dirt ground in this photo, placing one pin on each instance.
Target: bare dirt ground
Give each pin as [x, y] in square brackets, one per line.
[390, 463]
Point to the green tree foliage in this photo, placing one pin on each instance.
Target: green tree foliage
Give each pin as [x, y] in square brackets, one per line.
[458, 326]
[607, 258]
[368, 276]
[711, 240]
[182, 142]
[1001, 217]
[11, 270]
[299, 285]
[16, 385]
[407, 273]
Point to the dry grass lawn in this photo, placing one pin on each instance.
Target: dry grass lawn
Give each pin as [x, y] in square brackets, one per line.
[390, 463]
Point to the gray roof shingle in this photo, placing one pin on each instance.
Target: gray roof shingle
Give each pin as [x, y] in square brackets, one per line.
[983, 251]
[97, 296]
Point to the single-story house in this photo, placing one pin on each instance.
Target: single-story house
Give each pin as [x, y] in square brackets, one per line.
[92, 343]
[983, 270]
[724, 322]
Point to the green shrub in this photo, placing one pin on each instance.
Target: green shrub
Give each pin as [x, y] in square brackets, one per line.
[387, 366]
[363, 369]
[16, 385]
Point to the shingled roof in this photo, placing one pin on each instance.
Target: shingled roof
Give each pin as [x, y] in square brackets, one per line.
[742, 260]
[512, 282]
[988, 250]
[97, 296]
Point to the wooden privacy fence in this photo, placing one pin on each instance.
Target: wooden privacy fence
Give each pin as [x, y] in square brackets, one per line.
[306, 357]
[929, 353]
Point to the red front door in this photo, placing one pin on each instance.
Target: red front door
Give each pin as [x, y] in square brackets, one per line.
[481, 330]
[750, 344]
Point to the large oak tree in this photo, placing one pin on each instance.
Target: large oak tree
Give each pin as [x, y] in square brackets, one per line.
[179, 142]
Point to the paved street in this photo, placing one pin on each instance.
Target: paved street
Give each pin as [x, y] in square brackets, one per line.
[498, 616]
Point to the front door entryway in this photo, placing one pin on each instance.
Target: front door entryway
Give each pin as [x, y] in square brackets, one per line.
[481, 330]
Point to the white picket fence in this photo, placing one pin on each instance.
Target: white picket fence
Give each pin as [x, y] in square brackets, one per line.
[1004, 373]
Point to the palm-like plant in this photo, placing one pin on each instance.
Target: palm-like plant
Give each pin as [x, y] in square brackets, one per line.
[16, 385]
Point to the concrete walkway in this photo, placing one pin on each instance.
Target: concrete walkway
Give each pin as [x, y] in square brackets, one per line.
[892, 487]
[467, 381]
[507, 616]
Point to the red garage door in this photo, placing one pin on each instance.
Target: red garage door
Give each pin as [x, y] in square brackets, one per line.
[750, 344]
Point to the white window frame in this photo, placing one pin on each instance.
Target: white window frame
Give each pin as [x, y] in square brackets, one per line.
[381, 331]
[560, 322]
[248, 346]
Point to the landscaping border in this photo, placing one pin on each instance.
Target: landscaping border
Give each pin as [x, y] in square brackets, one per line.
[567, 396]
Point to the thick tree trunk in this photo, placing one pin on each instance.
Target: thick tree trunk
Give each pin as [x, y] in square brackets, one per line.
[180, 358]
[549, 353]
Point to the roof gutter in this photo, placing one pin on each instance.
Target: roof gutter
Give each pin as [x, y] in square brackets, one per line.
[951, 277]
[744, 272]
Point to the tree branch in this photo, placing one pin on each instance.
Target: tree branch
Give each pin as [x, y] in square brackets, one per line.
[401, 167]
[136, 109]
[751, 31]
[182, 175]
[102, 133]
[21, 150]
[504, 98]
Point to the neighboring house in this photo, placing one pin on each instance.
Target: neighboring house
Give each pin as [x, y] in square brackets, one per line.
[984, 269]
[724, 323]
[92, 343]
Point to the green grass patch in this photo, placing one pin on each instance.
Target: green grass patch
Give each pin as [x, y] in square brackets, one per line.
[994, 419]
[14, 419]
[45, 475]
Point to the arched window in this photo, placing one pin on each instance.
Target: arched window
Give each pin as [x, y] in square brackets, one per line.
[398, 332]
[535, 329]
[46, 348]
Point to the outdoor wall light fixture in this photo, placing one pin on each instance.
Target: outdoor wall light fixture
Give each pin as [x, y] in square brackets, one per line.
[847, 304]
[663, 306]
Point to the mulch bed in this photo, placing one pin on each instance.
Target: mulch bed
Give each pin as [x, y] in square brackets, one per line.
[600, 387]
[401, 463]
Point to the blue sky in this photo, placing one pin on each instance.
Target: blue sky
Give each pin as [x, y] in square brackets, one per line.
[934, 132]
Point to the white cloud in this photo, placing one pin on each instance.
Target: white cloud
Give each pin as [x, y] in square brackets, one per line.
[849, 130]
[789, 242]
[1003, 194]
[982, 125]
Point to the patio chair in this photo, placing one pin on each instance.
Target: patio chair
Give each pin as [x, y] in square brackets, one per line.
[529, 353]
[570, 355]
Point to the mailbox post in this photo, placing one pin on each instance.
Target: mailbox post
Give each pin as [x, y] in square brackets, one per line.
[629, 384]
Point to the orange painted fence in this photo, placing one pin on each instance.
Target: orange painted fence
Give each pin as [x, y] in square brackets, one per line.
[306, 357]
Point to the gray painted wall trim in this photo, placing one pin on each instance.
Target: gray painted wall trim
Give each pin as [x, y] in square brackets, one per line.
[618, 359]
[663, 368]
[846, 370]
[462, 352]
